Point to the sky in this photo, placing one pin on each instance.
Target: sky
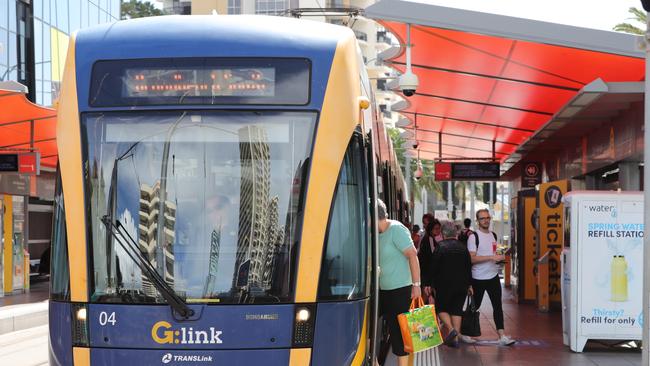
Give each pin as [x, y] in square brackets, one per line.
[596, 14]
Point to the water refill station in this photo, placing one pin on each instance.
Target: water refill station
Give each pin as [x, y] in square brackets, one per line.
[602, 267]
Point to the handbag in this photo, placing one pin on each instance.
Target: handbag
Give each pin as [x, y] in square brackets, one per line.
[471, 323]
[419, 327]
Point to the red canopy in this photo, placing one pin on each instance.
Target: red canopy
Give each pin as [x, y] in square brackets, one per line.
[479, 88]
[27, 126]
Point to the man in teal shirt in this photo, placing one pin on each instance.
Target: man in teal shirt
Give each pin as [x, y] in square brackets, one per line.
[399, 276]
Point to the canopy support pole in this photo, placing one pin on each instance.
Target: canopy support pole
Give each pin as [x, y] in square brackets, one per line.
[646, 205]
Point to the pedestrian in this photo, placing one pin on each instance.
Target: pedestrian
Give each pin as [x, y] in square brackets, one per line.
[426, 219]
[428, 244]
[415, 235]
[466, 232]
[399, 276]
[451, 278]
[485, 277]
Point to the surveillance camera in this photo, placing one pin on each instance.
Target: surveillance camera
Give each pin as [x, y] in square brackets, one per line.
[418, 174]
[415, 145]
[408, 83]
[418, 171]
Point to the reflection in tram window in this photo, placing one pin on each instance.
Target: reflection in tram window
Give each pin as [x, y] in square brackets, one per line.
[210, 199]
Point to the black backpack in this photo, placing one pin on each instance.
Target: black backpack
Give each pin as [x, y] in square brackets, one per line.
[476, 238]
[464, 235]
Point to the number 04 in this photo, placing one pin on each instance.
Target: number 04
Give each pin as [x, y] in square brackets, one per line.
[105, 318]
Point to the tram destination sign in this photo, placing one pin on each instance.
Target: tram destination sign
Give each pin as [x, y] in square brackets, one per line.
[469, 171]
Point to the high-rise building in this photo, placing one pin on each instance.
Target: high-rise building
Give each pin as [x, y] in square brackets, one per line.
[258, 214]
[34, 36]
[147, 232]
[178, 7]
[213, 267]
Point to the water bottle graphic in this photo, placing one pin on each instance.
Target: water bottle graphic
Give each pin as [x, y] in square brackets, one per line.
[619, 278]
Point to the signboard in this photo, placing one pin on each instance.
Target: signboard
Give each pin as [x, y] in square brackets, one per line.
[467, 171]
[551, 231]
[475, 171]
[8, 162]
[28, 163]
[531, 175]
[443, 171]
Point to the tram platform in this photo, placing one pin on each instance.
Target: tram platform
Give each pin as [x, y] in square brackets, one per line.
[24, 311]
[539, 342]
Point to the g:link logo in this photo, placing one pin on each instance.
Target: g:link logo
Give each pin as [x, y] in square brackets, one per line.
[163, 333]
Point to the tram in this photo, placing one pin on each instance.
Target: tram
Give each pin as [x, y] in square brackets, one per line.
[215, 195]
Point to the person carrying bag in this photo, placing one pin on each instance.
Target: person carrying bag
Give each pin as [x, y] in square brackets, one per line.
[419, 327]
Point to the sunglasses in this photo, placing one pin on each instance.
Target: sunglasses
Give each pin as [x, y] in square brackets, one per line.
[484, 218]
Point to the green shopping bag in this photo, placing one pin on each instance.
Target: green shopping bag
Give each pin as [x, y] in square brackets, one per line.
[419, 327]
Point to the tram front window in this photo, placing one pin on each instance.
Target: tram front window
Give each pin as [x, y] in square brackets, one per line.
[228, 185]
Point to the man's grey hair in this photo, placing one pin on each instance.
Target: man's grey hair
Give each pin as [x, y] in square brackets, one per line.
[449, 229]
[381, 210]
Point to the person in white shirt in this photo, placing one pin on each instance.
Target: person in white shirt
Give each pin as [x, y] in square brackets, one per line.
[485, 276]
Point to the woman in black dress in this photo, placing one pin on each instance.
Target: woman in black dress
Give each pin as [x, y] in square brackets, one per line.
[451, 275]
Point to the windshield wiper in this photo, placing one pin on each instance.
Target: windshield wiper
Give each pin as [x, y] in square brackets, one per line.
[121, 235]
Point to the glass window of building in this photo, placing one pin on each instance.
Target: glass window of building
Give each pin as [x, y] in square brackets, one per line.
[271, 7]
[4, 15]
[234, 6]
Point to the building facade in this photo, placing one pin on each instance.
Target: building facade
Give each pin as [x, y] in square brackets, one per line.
[34, 37]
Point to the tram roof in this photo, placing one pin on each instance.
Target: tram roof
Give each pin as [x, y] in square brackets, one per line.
[486, 77]
[234, 35]
[25, 125]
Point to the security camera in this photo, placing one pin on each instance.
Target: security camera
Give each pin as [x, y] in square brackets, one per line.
[418, 171]
[408, 83]
[418, 174]
[415, 145]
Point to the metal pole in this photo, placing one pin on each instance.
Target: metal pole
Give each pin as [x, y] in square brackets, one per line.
[450, 199]
[472, 197]
[503, 211]
[645, 356]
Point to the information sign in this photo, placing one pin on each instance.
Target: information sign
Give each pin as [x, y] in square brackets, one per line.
[531, 175]
[475, 171]
[443, 171]
[8, 162]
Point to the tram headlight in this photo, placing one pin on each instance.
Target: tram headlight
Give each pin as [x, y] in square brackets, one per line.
[79, 325]
[81, 314]
[302, 315]
[303, 325]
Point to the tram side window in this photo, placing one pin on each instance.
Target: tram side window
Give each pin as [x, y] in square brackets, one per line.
[343, 270]
[60, 272]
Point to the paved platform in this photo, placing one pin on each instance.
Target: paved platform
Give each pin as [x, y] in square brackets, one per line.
[539, 337]
[26, 310]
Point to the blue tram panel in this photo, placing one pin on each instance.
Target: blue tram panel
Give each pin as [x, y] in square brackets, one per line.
[212, 327]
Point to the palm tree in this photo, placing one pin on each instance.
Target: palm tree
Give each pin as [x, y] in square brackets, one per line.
[639, 16]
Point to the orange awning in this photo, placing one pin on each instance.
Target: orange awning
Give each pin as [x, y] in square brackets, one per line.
[25, 126]
[487, 79]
